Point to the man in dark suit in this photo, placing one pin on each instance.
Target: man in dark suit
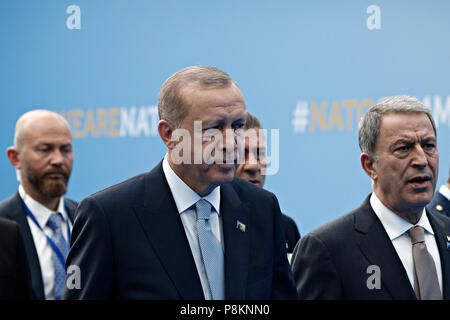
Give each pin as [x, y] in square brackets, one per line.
[187, 229]
[42, 155]
[390, 247]
[15, 282]
[253, 168]
[441, 200]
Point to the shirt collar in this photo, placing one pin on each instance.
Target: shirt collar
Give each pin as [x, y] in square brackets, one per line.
[41, 212]
[183, 195]
[394, 225]
[445, 191]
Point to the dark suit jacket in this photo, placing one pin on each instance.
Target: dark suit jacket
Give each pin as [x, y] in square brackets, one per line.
[13, 209]
[291, 232]
[332, 262]
[443, 202]
[129, 243]
[15, 282]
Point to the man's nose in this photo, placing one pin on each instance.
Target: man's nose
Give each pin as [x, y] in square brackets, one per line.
[253, 164]
[229, 140]
[57, 158]
[419, 156]
[229, 145]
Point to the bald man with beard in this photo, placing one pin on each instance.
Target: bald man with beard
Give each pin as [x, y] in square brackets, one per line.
[42, 156]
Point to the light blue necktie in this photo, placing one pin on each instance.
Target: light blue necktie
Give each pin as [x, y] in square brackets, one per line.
[211, 249]
[54, 222]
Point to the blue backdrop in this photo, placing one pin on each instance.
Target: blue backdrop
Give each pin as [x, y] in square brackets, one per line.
[307, 68]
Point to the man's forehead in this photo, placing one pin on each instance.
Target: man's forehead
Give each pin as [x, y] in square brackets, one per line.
[405, 129]
[48, 128]
[40, 133]
[191, 94]
[405, 122]
[53, 140]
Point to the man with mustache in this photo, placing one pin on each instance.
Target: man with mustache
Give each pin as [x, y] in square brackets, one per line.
[43, 157]
[391, 247]
[187, 229]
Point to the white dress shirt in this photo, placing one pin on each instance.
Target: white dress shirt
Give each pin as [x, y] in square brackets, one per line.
[185, 200]
[397, 230]
[445, 191]
[43, 248]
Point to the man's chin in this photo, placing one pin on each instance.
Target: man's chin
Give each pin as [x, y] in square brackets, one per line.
[417, 203]
[223, 175]
[54, 189]
[424, 196]
[257, 183]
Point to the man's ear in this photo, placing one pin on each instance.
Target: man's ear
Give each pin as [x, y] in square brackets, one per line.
[13, 156]
[166, 130]
[368, 164]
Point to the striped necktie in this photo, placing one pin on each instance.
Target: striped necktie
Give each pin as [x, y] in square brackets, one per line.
[55, 223]
[211, 251]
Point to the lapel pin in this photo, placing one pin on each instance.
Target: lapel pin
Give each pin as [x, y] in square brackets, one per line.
[448, 242]
[240, 226]
[440, 208]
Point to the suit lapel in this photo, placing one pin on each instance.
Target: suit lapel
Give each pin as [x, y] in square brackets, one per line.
[378, 249]
[71, 207]
[162, 224]
[19, 215]
[237, 242]
[441, 232]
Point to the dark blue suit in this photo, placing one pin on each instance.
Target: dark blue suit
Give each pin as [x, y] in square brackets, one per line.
[332, 261]
[290, 232]
[440, 204]
[15, 282]
[13, 209]
[129, 243]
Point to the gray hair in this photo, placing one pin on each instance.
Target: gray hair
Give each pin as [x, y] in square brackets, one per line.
[369, 125]
[252, 122]
[171, 106]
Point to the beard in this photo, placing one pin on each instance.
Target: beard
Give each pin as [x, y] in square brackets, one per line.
[49, 188]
